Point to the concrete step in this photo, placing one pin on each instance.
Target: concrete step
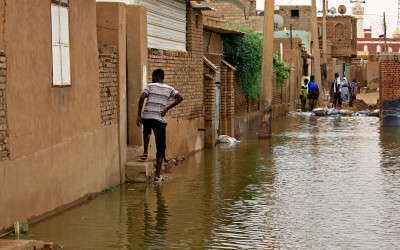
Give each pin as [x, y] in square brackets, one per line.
[133, 153]
[139, 171]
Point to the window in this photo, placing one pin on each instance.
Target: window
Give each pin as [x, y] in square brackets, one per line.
[295, 13]
[378, 49]
[60, 42]
[390, 49]
[365, 47]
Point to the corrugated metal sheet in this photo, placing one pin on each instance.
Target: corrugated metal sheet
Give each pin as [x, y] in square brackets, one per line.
[166, 24]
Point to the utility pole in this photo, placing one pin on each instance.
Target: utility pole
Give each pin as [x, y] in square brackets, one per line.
[324, 44]
[265, 129]
[384, 31]
[316, 52]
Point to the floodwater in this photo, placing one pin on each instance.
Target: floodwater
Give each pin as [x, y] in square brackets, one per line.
[319, 183]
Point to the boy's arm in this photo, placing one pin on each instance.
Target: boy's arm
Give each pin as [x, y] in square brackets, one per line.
[139, 116]
[178, 99]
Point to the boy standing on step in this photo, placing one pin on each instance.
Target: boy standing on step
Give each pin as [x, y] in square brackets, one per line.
[158, 95]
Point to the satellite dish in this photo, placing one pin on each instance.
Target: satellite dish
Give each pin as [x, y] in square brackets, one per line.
[278, 21]
[332, 10]
[342, 9]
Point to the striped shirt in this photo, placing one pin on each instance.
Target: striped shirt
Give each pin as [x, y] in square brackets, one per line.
[158, 95]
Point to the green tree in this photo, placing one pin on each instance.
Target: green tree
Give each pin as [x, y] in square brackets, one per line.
[246, 54]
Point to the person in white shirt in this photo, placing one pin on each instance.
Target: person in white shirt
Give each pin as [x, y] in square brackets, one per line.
[336, 92]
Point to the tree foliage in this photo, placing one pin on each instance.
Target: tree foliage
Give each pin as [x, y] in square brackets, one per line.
[246, 54]
[282, 70]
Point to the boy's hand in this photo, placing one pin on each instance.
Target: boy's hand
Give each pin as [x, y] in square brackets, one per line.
[139, 121]
[164, 112]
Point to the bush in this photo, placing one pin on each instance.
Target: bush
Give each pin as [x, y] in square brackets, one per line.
[246, 54]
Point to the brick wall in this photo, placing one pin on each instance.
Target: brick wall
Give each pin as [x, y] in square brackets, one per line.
[227, 92]
[108, 84]
[241, 101]
[278, 92]
[209, 93]
[302, 22]
[253, 22]
[390, 87]
[228, 10]
[184, 70]
[342, 32]
[4, 136]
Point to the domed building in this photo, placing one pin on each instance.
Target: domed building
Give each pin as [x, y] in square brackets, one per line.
[396, 33]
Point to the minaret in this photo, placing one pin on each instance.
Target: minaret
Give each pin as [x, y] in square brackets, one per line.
[358, 13]
[396, 33]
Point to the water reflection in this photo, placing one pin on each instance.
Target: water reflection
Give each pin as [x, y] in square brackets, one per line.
[155, 226]
[318, 183]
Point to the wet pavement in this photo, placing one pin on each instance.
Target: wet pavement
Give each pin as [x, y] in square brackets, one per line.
[320, 182]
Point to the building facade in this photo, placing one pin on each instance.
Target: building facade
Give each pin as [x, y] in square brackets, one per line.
[59, 145]
[375, 46]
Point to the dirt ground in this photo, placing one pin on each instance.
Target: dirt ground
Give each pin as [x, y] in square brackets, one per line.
[365, 101]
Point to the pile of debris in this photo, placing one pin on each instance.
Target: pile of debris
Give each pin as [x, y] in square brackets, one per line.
[170, 163]
[335, 112]
[360, 105]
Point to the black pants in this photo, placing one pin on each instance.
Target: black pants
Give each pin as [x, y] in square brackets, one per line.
[159, 129]
[313, 97]
[337, 98]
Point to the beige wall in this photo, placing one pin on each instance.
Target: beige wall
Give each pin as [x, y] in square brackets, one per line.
[183, 136]
[40, 115]
[137, 66]
[50, 178]
[373, 75]
[111, 31]
[59, 152]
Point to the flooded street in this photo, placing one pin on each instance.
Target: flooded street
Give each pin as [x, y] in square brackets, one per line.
[318, 183]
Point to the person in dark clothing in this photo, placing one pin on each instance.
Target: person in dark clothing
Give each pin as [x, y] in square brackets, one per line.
[336, 94]
[353, 92]
[313, 92]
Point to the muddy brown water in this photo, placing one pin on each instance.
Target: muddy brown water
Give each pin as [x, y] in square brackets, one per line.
[319, 183]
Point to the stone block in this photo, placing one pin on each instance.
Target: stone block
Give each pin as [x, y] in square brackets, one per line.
[136, 170]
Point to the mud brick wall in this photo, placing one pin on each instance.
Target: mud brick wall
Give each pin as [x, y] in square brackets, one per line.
[228, 10]
[240, 97]
[4, 136]
[253, 105]
[209, 93]
[253, 22]
[227, 92]
[108, 79]
[278, 92]
[184, 70]
[390, 85]
[302, 22]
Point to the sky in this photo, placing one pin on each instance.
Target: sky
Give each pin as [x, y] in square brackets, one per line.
[373, 12]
